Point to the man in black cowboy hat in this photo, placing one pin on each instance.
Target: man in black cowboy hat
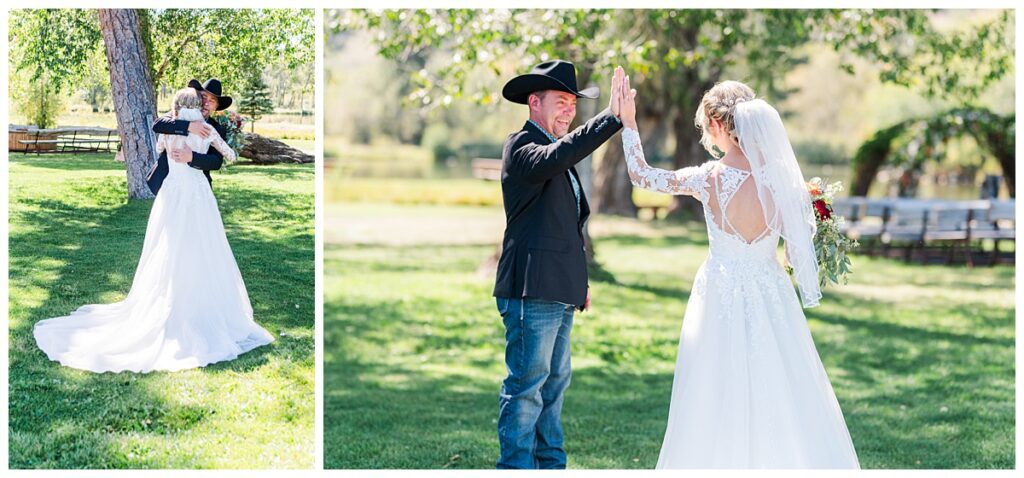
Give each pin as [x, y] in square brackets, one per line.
[542, 273]
[212, 101]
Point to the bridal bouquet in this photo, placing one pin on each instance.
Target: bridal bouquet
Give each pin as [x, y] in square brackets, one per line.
[830, 245]
[232, 123]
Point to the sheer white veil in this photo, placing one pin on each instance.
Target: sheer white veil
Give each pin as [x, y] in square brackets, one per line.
[781, 189]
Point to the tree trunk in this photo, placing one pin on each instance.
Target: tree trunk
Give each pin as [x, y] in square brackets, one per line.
[263, 150]
[688, 150]
[613, 193]
[1007, 161]
[600, 182]
[865, 170]
[585, 168]
[1004, 152]
[870, 157]
[132, 91]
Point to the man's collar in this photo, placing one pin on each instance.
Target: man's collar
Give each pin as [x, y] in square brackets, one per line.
[542, 130]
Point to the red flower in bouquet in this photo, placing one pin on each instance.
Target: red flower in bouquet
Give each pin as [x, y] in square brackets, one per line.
[830, 245]
[232, 123]
[824, 211]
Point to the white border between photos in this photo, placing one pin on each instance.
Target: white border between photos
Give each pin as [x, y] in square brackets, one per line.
[319, 218]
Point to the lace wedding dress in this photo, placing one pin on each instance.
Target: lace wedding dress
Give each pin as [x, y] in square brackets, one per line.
[187, 307]
[749, 389]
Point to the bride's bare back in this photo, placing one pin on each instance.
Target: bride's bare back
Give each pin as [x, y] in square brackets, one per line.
[731, 187]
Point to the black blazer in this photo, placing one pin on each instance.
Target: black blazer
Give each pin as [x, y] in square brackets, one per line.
[542, 254]
[207, 162]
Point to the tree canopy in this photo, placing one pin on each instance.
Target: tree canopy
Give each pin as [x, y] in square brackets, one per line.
[674, 56]
[912, 143]
[957, 64]
[227, 43]
[61, 44]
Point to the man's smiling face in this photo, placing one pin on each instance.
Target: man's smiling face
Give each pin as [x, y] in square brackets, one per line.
[554, 110]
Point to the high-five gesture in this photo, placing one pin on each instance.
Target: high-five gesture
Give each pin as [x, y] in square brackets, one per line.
[626, 98]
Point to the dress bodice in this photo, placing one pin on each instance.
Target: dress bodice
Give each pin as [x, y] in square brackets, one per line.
[725, 245]
[715, 184]
[195, 142]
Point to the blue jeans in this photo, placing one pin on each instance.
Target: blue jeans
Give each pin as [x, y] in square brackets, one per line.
[539, 370]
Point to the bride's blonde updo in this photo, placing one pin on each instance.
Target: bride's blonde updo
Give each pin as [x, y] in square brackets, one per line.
[186, 98]
[718, 104]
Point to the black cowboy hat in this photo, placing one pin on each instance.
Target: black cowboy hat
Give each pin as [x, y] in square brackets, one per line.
[551, 75]
[213, 86]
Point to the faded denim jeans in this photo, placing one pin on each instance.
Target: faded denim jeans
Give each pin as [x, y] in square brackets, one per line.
[539, 371]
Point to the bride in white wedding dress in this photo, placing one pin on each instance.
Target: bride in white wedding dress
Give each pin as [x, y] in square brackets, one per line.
[188, 306]
[749, 389]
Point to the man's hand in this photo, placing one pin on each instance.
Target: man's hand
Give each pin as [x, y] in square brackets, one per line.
[586, 304]
[627, 100]
[200, 128]
[182, 155]
[614, 102]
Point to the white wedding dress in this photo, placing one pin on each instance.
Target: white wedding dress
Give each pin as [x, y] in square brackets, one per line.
[749, 389]
[187, 307]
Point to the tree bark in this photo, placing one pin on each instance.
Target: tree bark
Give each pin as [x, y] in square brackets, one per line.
[132, 90]
[263, 150]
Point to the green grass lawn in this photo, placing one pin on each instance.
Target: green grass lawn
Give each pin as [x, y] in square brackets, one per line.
[920, 357]
[75, 240]
[341, 187]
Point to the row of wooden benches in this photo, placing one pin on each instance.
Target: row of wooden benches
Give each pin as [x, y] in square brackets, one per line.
[917, 226]
[63, 140]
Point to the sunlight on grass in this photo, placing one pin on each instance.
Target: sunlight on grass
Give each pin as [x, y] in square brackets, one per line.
[919, 356]
[449, 192]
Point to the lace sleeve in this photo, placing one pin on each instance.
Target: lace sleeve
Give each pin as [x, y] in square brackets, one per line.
[161, 143]
[219, 144]
[689, 181]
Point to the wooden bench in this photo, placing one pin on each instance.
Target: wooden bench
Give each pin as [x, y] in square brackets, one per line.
[916, 226]
[486, 169]
[70, 139]
[999, 224]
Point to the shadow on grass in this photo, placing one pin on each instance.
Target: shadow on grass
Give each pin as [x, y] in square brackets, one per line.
[407, 388]
[278, 171]
[85, 254]
[689, 239]
[875, 325]
[411, 416]
[599, 274]
[915, 397]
